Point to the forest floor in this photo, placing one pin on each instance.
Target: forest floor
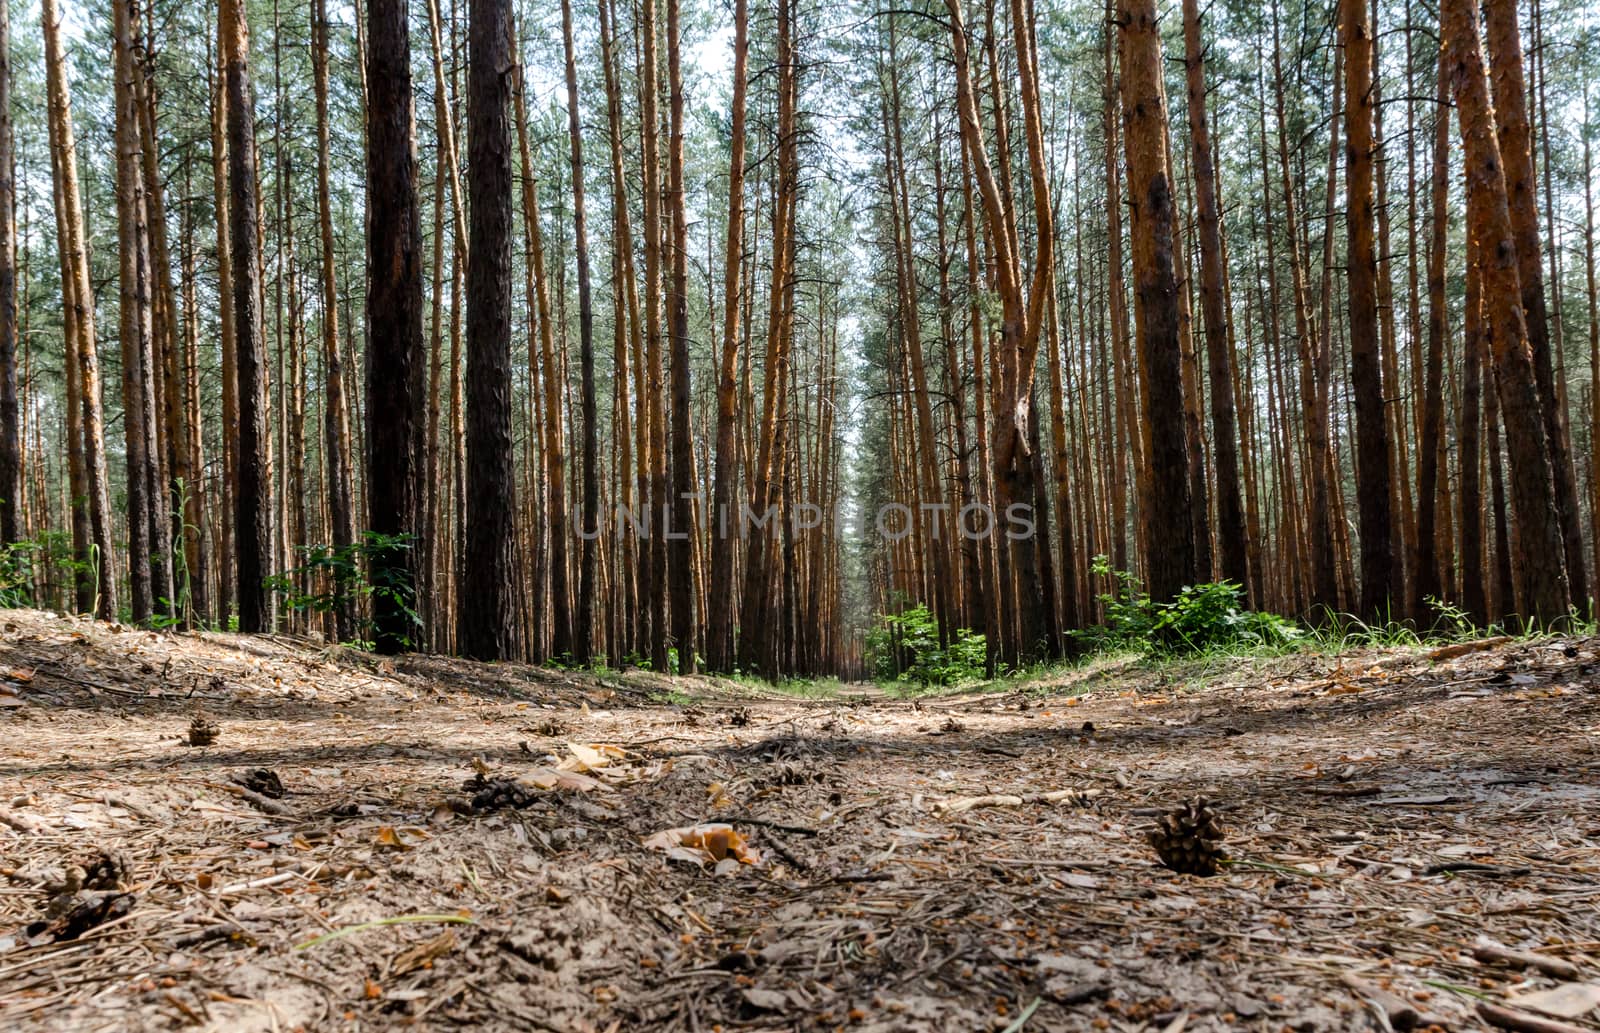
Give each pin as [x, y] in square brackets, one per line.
[1386, 809]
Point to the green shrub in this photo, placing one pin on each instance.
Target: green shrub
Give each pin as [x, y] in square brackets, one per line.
[336, 577]
[1202, 618]
[16, 574]
[1215, 616]
[905, 647]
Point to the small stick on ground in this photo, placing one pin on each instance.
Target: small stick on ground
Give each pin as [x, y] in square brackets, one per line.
[262, 803]
[1522, 1022]
[1491, 953]
[1401, 1015]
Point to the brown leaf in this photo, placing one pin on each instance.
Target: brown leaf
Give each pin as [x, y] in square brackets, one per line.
[423, 953]
[1567, 1001]
[704, 844]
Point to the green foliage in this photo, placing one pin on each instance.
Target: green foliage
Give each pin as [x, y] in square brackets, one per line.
[1450, 620]
[49, 553]
[336, 577]
[905, 647]
[1213, 616]
[16, 574]
[1203, 618]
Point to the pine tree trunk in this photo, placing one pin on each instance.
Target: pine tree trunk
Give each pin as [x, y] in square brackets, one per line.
[560, 608]
[196, 538]
[175, 496]
[1427, 581]
[1170, 562]
[1324, 587]
[1366, 364]
[253, 496]
[1469, 428]
[1593, 295]
[1219, 358]
[720, 615]
[146, 528]
[583, 629]
[928, 480]
[486, 614]
[755, 634]
[336, 435]
[628, 344]
[1127, 423]
[10, 413]
[1516, 150]
[88, 444]
[1541, 581]
[227, 581]
[394, 326]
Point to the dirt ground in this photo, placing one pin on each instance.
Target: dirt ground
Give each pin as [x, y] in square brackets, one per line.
[1384, 811]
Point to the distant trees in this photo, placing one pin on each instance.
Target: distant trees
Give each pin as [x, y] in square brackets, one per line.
[750, 394]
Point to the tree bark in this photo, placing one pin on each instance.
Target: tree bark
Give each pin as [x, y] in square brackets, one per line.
[1541, 576]
[149, 573]
[683, 601]
[1593, 295]
[583, 630]
[486, 615]
[1510, 99]
[1366, 364]
[1219, 357]
[655, 397]
[1170, 562]
[1427, 581]
[253, 496]
[1324, 588]
[336, 426]
[394, 326]
[10, 413]
[560, 601]
[88, 445]
[1469, 431]
[719, 616]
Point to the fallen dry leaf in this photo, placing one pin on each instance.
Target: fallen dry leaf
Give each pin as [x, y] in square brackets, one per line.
[591, 758]
[710, 843]
[1567, 1001]
[422, 953]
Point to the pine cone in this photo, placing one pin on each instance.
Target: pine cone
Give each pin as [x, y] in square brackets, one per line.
[262, 780]
[107, 870]
[1189, 839]
[202, 732]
